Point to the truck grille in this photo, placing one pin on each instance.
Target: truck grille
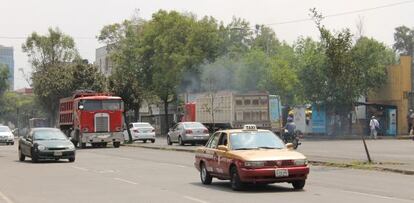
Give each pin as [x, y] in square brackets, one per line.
[101, 122]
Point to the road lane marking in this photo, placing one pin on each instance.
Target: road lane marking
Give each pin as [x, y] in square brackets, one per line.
[80, 168]
[5, 198]
[194, 199]
[168, 164]
[124, 158]
[126, 181]
[378, 196]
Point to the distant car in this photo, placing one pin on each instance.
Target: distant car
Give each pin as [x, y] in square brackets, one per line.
[188, 132]
[141, 131]
[250, 155]
[46, 143]
[6, 135]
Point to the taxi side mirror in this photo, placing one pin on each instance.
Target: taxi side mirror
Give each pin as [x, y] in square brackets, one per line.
[223, 148]
[289, 146]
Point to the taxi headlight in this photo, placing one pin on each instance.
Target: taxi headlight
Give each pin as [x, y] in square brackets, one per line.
[254, 164]
[41, 147]
[300, 162]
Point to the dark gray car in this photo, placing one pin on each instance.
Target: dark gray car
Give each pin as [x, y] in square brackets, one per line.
[46, 143]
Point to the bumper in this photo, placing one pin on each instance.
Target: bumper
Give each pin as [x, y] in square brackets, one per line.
[267, 175]
[66, 154]
[143, 136]
[6, 140]
[196, 138]
[102, 137]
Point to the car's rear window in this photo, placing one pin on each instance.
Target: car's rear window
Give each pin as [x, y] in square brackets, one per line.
[142, 125]
[255, 139]
[193, 125]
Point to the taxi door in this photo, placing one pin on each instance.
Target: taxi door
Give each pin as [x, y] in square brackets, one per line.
[210, 153]
[222, 161]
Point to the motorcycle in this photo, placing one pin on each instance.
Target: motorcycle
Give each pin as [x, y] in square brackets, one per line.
[291, 138]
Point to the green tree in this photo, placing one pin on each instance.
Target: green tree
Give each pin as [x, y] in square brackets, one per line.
[129, 78]
[404, 40]
[4, 79]
[173, 43]
[344, 73]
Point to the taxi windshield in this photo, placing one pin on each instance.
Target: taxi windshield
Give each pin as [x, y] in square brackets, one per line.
[255, 140]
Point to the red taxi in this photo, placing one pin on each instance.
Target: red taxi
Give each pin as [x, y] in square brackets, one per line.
[250, 155]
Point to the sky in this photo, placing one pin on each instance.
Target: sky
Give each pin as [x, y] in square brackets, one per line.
[83, 19]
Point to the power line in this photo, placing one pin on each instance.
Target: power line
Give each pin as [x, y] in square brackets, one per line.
[23, 38]
[343, 13]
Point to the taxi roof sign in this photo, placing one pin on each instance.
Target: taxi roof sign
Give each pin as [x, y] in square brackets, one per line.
[250, 127]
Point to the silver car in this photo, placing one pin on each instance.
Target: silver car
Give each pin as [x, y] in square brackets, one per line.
[188, 132]
[141, 131]
[6, 135]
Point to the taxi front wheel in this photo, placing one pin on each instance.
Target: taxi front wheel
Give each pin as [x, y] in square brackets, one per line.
[236, 184]
[299, 184]
[204, 175]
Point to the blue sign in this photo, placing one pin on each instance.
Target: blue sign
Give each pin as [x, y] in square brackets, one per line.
[318, 119]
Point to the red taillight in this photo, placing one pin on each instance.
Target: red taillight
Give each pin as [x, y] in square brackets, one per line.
[205, 131]
[188, 132]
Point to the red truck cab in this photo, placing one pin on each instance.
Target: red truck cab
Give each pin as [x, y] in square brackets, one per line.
[90, 117]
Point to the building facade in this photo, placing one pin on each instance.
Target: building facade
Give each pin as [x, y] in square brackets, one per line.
[103, 61]
[6, 58]
[397, 92]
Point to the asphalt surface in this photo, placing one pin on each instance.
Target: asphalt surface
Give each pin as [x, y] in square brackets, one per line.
[131, 174]
[392, 154]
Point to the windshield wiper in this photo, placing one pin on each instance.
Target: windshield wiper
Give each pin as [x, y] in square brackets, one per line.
[246, 148]
[264, 147]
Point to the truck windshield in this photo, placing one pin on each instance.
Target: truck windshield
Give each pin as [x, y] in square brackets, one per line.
[92, 105]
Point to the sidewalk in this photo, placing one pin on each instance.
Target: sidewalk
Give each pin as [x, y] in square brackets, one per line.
[392, 155]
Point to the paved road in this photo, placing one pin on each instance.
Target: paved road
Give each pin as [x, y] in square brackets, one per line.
[146, 175]
[394, 154]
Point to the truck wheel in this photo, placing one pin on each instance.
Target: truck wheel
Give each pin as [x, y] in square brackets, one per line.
[117, 144]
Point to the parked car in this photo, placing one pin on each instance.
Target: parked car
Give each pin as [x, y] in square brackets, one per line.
[6, 135]
[140, 131]
[46, 143]
[188, 132]
[250, 155]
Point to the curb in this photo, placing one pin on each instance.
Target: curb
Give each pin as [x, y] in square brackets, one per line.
[319, 163]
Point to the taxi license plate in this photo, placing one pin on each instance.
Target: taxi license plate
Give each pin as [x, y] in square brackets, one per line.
[281, 173]
[57, 153]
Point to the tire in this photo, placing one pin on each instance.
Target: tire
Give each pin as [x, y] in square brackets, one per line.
[117, 144]
[34, 157]
[180, 141]
[193, 144]
[21, 155]
[205, 176]
[153, 140]
[299, 184]
[12, 143]
[104, 144]
[145, 141]
[95, 145]
[236, 184]
[169, 140]
[72, 159]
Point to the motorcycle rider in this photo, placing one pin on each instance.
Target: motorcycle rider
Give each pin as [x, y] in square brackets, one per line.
[290, 129]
